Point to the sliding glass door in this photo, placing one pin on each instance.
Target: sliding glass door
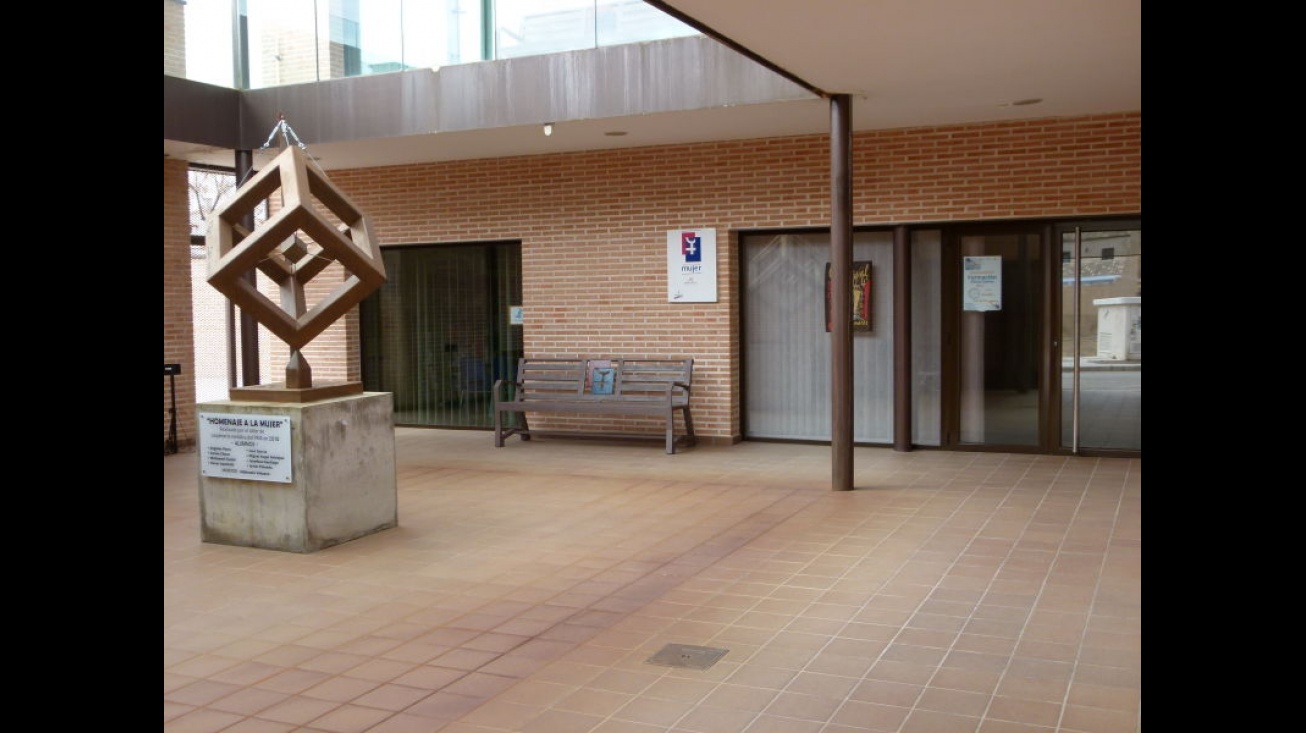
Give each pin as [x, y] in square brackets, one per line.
[1101, 358]
[787, 369]
[997, 287]
[1025, 336]
[439, 332]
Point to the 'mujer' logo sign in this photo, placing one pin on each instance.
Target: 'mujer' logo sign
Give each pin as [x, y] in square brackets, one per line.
[691, 246]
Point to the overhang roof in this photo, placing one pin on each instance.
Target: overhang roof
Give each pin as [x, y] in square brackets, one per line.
[904, 63]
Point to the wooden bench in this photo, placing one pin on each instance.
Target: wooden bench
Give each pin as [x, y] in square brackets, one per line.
[614, 386]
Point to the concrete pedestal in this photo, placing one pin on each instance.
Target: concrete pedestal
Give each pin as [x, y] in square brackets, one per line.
[341, 482]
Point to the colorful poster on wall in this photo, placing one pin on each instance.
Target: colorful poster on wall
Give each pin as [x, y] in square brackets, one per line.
[691, 266]
[981, 285]
[861, 302]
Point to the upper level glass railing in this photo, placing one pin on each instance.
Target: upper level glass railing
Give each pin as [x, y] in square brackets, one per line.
[252, 44]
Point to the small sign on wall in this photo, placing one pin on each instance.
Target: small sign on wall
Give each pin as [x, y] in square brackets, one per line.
[691, 265]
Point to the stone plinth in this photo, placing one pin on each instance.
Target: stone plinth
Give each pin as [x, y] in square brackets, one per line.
[341, 481]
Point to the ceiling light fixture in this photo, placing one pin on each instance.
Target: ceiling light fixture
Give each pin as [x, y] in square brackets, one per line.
[548, 129]
[615, 133]
[1021, 102]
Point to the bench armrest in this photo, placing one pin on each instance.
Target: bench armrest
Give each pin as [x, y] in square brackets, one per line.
[501, 382]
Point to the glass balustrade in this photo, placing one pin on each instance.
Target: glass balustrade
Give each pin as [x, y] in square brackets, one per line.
[254, 44]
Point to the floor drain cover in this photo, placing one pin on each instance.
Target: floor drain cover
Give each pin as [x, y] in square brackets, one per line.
[687, 656]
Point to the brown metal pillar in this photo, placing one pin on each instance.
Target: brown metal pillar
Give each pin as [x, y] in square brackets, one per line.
[232, 383]
[248, 324]
[902, 373]
[841, 259]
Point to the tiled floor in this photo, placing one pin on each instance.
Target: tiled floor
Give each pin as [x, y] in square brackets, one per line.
[526, 587]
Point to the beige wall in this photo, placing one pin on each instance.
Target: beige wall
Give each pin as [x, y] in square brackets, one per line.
[593, 224]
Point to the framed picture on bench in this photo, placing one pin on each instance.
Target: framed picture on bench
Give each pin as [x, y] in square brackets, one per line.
[600, 376]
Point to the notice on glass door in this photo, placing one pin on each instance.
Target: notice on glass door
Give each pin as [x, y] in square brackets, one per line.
[981, 282]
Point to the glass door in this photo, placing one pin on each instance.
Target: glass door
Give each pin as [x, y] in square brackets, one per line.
[439, 332]
[786, 365]
[1101, 339]
[997, 398]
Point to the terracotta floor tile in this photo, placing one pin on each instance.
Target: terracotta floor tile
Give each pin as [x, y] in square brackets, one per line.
[708, 719]
[350, 719]
[340, 689]
[560, 721]
[254, 725]
[405, 723]
[525, 591]
[248, 701]
[293, 681]
[202, 721]
[298, 710]
[869, 716]
[391, 697]
[201, 692]
[601, 703]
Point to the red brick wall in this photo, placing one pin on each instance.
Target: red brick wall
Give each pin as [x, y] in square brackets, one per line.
[1056, 167]
[593, 224]
[178, 333]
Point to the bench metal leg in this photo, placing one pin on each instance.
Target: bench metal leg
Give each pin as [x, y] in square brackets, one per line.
[502, 432]
[671, 430]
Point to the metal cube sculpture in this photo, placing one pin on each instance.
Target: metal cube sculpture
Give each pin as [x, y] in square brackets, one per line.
[276, 250]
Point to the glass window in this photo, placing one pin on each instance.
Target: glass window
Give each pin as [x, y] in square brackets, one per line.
[926, 337]
[300, 41]
[1102, 339]
[438, 333]
[787, 369]
[208, 45]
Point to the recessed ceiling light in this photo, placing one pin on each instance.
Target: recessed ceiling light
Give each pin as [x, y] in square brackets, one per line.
[615, 133]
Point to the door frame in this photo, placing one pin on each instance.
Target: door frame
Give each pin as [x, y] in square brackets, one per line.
[1056, 230]
[1044, 350]
[949, 235]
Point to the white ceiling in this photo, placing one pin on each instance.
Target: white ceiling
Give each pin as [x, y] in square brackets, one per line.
[905, 63]
[910, 63]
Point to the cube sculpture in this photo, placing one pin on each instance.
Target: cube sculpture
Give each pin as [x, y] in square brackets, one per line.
[341, 448]
[276, 250]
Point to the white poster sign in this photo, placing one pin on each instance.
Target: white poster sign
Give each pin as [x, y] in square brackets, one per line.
[691, 265]
[253, 447]
[981, 283]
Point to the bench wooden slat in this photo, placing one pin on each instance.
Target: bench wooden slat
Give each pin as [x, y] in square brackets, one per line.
[650, 387]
